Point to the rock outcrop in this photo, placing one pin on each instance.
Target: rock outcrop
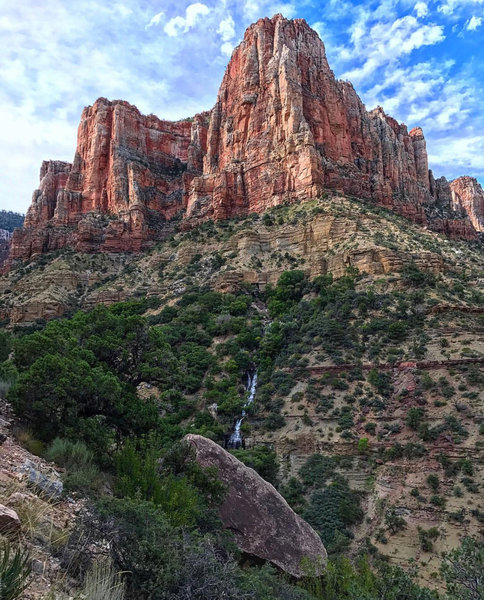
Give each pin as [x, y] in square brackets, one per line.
[9, 521]
[468, 196]
[126, 181]
[282, 129]
[5, 237]
[263, 523]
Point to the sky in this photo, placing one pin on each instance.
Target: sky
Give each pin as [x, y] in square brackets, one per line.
[422, 61]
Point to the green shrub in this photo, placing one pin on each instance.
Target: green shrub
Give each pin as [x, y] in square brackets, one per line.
[82, 473]
[433, 481]
[426, 536]
[262, 459]
[394, 521]
[331, 510]
[14, 572]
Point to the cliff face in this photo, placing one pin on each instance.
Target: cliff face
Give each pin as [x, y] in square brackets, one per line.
[282, 129]
[127, 179]
[468, 196]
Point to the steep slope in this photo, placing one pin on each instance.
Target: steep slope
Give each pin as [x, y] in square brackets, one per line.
[282, 129]
[321, 236]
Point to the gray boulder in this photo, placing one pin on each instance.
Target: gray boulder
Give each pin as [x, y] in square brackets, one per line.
[52, 487]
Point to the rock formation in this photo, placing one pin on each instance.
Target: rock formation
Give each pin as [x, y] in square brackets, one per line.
[468, 196]
[263, 523]
[282, 129]
[9, 521]
[126, 181]
[5, 237]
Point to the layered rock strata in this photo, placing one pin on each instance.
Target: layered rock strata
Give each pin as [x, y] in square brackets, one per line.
[126, 181]
[282, 129]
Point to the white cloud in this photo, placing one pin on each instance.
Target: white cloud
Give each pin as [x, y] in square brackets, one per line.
[193, 12]
[449, 6]
[473, 23]
[226, 28]
[226, 48]
[383, 43]
[284, 8]
[459, 155]
[421, 9]
[251, 9]
[155, 20]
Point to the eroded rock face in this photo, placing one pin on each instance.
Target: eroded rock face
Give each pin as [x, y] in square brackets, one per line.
[468, 195]
[9, 521]
[126, 181]
[263, 523]
[282, 129]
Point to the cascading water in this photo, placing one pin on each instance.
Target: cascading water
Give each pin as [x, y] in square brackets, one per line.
[235, 440]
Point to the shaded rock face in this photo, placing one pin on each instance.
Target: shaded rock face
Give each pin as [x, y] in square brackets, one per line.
[9, 521]
[282, 129]
[5, 238]
[468, 196]
[263, 523]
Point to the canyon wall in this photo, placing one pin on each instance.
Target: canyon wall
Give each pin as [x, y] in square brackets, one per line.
[126, 181]
[282, 129]
[468, 197]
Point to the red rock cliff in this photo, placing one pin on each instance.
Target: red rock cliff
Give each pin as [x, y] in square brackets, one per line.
[468, 195]
[127, 179]
[282, 129]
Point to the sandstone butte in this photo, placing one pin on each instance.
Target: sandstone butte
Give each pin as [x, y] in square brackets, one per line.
[283, 129]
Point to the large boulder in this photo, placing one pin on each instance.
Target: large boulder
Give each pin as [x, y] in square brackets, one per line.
[263, 523]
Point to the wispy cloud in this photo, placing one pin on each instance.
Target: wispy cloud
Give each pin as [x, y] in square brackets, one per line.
[383, 43]
[155, 20]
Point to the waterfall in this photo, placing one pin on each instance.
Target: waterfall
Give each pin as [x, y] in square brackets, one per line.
[235, 440]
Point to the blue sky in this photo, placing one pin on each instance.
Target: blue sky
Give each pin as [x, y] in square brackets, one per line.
[422, 61]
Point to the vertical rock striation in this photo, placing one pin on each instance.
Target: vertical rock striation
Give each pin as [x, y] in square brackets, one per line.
[468, 196]
[126, 181]
[282, 129]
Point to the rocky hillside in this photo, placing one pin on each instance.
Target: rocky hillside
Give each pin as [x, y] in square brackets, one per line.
[282, 129]
[326, 235]
[365, 331]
